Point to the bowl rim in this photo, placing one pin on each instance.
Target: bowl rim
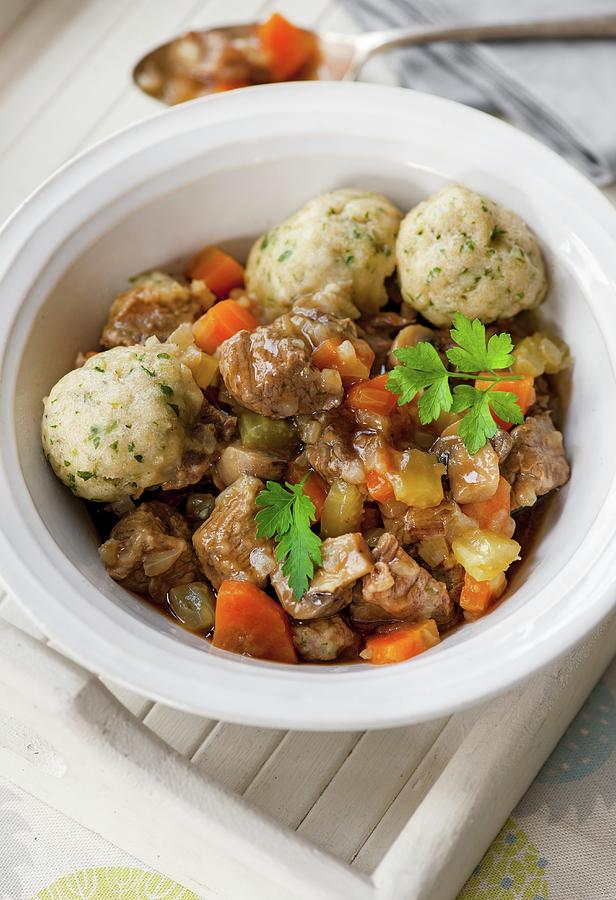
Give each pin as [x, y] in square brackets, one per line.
[286, 693]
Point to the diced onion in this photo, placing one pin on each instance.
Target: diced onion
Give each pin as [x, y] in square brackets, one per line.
[158, 561]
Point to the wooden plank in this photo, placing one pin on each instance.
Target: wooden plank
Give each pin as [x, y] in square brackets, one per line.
[51, 45]
[297, 773]
[233, 754]
[431, 766]
[181, 730]
[365, 786]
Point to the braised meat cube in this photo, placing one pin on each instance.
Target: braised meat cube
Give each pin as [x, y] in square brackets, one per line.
[149, 551]
[226, 540]
[410, 524]
[236, 460]
[537, 463]
[323, 639]
[155, 306]
[403, 588]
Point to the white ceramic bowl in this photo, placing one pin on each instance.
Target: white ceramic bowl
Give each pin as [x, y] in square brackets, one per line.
[225, 169]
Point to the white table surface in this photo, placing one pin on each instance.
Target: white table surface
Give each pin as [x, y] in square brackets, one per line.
[64, 84]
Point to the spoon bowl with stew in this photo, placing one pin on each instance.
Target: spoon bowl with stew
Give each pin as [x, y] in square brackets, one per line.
[227, 57]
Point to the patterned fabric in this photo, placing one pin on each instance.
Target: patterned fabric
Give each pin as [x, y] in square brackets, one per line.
[558, 844]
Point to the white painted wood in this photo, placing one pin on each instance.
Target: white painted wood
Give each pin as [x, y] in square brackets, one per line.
[11, 13]
[233, 754]
[73, 745]
[183, 732]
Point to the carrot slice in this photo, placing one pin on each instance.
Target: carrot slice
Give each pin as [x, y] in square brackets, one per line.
[372, 395]
[478, 596]
[352, 359]
[250, 623]
[221, 322]
[523, 389]
[379, 486]
[288, 48]
[315, 487]
[220, 271]
[493, 514]
[403, 643]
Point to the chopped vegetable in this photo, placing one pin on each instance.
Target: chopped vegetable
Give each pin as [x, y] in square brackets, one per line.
[418, 480]
[493, 514]
[314, 487]
[221, 322]
[523, 390]
[372, 396]
[379, 486]
[421, 370]
[483, 554]
[403, 643]
[200, 506]
[285, 515]
[343, 509]
[538, 354]
[205, 370]
[194, 605]
[288, 48]
[220, 271]
[478, 596]
[352, 359]
[252, 624]
[262, 433]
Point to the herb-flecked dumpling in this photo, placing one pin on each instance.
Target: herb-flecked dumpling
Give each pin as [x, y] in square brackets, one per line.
[120, 423]
[344, 236]
[460, 252]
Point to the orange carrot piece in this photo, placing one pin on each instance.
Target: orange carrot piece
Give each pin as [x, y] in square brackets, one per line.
[288, 48]
[372, 395]
[523, 389]
[220, 271]
[352, 359]
[379, 486]
[221, 322]
[403, 643]
[221, 86]
[478, 596]
[315, 487]
[250, 623]
[493, 514]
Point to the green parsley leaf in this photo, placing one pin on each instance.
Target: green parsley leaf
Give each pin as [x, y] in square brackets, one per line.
[421, 371]
[286, 515]
[166, 389]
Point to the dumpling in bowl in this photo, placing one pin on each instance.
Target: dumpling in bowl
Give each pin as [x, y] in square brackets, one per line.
[459, 251]
[344, 236]
[120, 423]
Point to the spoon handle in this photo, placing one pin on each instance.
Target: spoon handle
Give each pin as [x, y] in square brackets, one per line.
[592, 27]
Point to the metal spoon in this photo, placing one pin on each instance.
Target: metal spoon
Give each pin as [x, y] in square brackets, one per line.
[341, 56]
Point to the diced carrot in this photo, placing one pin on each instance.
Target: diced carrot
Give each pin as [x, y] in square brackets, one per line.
[221, 322]
[252, 624]
[523, 389]
[288, 48]
[379, 486]
[221, 86]
[403, 643]
[493, 514]
[220, 271]
[372, 395]
[352, 359]
[315, 488]
[478, 596]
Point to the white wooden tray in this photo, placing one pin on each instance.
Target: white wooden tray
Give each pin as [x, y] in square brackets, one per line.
[232, 811]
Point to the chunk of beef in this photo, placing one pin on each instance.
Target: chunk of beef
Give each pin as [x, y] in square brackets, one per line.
[502, 443]
[225, 541]
[334, 455]
[403, 588]
[197, 460]
[410, 525]
[154, 306]
[149, 551]
[381, 329]
[270, 371]
[452, 577]
[225, 425]
[536, 464]
[344, 560]
[472, 478]
[323, 639]
[236, 460]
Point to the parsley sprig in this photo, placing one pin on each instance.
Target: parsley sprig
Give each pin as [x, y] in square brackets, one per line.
[421, 370]
[286, 515]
